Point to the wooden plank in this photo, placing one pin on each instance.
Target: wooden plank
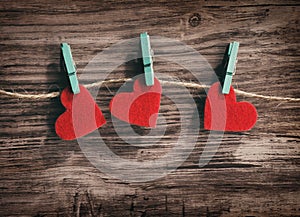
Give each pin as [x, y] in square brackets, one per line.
[255, 173]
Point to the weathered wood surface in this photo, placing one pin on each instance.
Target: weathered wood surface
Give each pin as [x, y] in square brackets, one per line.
[253, 174]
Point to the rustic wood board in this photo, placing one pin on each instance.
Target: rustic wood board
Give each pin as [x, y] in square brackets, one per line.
[253, 174]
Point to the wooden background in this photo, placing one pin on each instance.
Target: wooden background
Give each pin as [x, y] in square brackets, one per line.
[255, 173]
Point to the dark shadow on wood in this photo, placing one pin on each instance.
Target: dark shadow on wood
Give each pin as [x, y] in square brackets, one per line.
[220, 70]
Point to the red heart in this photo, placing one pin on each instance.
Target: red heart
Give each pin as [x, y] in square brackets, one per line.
[223, 113]
[139, 107]
[81, 117]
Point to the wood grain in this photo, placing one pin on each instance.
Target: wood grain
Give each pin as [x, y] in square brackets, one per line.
[255, 173]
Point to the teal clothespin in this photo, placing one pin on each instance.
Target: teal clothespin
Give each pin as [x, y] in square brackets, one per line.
[70, 67]
[231, 65]
[147, 59]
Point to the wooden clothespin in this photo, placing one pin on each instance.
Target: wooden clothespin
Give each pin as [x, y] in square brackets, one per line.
[230, 65]
[70, 67]
[147, 54]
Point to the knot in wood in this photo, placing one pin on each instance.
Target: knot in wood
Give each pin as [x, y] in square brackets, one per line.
[195, 20]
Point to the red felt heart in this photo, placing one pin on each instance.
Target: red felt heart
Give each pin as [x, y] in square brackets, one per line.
[139, 107]
[81, 117]
[223, 113]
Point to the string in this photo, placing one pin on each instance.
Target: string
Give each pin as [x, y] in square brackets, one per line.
[180, 83]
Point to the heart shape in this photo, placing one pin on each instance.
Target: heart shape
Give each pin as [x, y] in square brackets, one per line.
[139, 107]
[223, 113]
[81, 117]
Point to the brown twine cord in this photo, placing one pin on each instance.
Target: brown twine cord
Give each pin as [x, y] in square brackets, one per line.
[181, 83]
